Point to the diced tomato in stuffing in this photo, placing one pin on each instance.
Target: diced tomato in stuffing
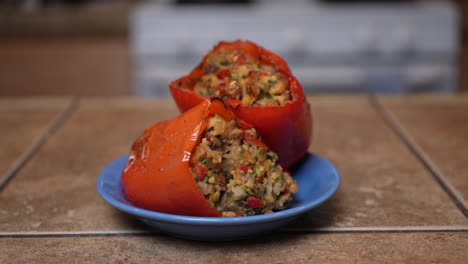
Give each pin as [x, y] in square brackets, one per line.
[244, 168]
[201, 171]
[249, 137]
[261, 177]
[254, 202]
[224, 73]
[222, 85]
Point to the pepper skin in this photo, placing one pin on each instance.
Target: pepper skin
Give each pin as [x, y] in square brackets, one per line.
[157, 176]
[286, 129]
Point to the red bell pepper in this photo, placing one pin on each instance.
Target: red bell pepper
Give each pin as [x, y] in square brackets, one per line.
[286, 129]
[158, 177]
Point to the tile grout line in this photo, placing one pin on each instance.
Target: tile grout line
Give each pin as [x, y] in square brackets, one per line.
[77, 234]
[437, 175]
[328, 230]
[29, 153]
[381, 229]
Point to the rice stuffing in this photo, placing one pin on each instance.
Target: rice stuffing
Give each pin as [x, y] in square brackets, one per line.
[237, 173]
[237, 75]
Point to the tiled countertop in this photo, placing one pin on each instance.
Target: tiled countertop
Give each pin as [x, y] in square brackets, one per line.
[403, 198]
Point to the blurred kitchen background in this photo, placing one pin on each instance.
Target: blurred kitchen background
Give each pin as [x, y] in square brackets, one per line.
[130, 47]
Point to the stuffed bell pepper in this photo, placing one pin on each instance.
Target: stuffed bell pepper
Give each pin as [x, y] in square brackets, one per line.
[206, 162]
[259, 88]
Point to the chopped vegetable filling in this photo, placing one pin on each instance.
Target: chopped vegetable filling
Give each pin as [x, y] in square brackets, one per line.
[238, 173]
[236, 75]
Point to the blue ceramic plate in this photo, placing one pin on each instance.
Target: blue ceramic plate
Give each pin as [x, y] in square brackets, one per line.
[318, 180]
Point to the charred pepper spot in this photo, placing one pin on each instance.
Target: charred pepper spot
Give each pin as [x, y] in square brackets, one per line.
[214, 98]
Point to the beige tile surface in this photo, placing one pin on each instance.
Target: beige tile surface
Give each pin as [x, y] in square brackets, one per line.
[57, 189]
[440, 127]
[286, 248]
[22, 122]
[383, 184]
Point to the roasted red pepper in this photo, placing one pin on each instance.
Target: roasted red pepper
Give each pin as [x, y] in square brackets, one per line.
[286, 129]
[158, 177]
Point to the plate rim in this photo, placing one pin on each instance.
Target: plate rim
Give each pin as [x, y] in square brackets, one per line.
[200, 221]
